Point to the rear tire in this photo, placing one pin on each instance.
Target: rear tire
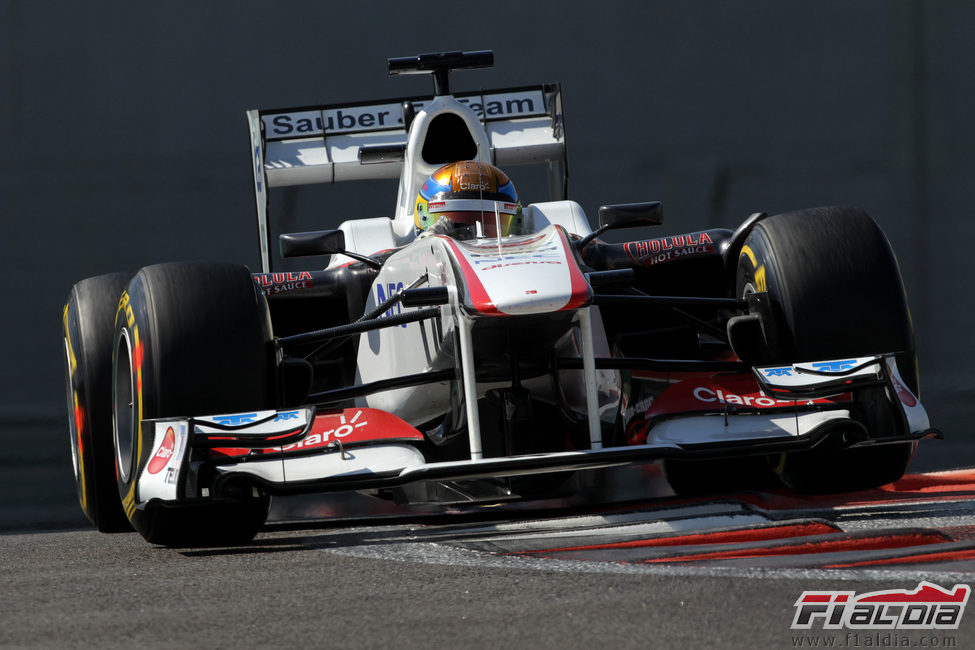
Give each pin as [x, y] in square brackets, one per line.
[190, 339]
[836, 291]
[89, 317]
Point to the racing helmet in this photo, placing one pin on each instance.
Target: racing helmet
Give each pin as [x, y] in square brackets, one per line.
[469, 195]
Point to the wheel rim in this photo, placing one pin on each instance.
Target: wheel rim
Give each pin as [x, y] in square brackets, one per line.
[72, 414]
[123, 422]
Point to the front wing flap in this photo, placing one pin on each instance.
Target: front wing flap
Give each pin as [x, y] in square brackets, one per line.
[818, 379]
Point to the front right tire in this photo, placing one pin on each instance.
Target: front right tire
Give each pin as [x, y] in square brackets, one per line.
[836, 292]
[88, 327]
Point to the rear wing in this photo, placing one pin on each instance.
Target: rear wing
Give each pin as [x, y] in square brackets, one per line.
[363, 141]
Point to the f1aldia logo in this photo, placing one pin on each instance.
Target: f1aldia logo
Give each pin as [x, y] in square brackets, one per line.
[928, 607]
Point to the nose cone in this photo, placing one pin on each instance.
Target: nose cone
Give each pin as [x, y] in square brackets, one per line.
[516, 276]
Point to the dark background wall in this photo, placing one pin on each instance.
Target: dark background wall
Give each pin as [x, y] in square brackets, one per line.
[123, 140]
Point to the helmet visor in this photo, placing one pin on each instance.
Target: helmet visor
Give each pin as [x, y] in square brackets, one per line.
[495, 217]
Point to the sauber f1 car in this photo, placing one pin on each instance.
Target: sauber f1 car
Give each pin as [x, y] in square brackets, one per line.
[470, 348]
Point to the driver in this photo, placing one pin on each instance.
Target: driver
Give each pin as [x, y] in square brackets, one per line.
[468, 199]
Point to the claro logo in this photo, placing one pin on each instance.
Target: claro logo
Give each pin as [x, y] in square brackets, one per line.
[704, 394]
[905, 395]
[161, 458]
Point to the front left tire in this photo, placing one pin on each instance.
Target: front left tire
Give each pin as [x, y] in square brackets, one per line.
[190, 339]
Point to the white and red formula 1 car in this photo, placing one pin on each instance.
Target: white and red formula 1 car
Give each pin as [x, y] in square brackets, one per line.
[485, 359]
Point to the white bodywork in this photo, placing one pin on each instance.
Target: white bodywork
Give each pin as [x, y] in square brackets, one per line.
[487, 279]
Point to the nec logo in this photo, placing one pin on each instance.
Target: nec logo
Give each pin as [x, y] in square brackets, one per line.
[384, 293]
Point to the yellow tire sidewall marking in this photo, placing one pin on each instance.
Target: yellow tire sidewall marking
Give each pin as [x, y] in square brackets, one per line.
[758, 269]
[72, 368]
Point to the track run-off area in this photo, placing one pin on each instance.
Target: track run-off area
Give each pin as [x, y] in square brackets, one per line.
[652, 571]
[922, 525]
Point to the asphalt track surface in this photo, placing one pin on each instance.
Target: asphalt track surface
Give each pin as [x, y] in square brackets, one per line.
[720, 571]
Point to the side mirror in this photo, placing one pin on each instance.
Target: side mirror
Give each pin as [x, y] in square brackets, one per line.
[630, 215]
[625, 215]
[319, 242]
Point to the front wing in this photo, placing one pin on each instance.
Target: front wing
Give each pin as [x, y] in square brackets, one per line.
[305, 451]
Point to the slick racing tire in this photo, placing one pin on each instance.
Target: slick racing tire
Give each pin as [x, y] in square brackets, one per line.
[89, 317]
[190, 339]
[835, 291]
